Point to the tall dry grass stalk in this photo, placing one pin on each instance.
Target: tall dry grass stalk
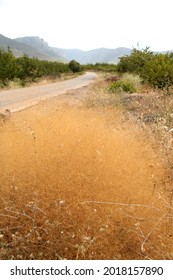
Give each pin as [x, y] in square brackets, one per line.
[133, 79]
[79, 184]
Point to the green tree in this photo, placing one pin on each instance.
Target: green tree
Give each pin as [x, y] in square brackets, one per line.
[156, 69]
[159, 71]
[74, 66]
[8, 67]
[135, 62]
[28, 68]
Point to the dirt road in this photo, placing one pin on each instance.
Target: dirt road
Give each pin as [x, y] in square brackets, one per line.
[18, 99]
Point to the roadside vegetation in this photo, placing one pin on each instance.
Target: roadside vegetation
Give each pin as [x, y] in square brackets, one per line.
[155, 69]
[92, 181]
[23, 71]
[100, 67]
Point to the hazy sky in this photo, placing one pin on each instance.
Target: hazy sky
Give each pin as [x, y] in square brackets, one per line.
[89, 24]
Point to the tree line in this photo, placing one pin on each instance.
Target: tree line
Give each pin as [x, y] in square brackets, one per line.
[155, 69]
[27, 69]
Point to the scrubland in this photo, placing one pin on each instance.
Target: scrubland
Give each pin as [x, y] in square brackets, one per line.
[89, 179]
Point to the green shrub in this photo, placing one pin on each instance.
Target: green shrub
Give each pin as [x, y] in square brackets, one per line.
[155, 69]
[159, 71]
[103, 67]
[7, 66]
[121, 86]
[26, 69]
[74, 66]
[134, 79]
[135, 62]
[128, 83]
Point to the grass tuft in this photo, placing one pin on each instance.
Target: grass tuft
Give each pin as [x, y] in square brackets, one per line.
[129, 83]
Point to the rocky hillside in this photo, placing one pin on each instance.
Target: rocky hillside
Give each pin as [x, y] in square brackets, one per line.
[37, 47]
[19, 49]
[41, 46]
[84, 57]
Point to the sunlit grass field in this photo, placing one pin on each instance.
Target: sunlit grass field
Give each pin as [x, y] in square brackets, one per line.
[82, 183]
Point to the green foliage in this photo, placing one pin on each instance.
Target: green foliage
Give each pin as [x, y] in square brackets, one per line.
[156, 69]
[135, 62]
[27, 69]
[106, 67]
[159, 71]
[74, 66]
[134, 79]
[128, 83]
[121, 86]
[52, 69]
[7, 66]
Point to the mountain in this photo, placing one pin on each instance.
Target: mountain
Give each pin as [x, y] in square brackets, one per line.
[20, 49]
[101, 55]
[71, 54]
[37, 47]
[83, 57]
[41, 46]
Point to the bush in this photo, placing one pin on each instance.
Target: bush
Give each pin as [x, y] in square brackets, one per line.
[8, 67]
[159, 71]
[134, 79]
[103, 67]
[156, 69]
[74, 66]
[129, 83]
[28, 69]
[135, 62]
[121, 86]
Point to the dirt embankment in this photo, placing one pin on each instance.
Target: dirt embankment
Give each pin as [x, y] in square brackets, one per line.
[81, 183]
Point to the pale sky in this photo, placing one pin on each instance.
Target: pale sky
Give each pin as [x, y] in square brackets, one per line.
[90, 24]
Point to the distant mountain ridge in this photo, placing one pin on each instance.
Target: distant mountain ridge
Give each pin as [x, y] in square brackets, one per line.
[37, 47]
[19, 49]
[100, 55]
[41, 46]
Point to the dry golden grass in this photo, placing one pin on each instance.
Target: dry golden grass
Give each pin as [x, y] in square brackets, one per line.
[80, 183]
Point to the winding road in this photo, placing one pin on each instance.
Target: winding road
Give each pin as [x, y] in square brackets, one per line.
[21, 98]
